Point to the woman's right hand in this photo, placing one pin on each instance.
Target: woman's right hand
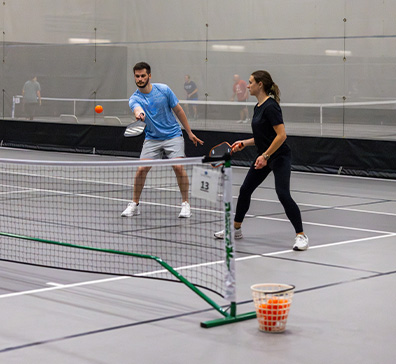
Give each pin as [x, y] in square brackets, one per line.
[237, 146]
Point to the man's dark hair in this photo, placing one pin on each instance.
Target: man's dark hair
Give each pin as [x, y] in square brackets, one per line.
[141, 66]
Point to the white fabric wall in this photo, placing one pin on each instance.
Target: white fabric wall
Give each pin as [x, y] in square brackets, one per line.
[311, 52]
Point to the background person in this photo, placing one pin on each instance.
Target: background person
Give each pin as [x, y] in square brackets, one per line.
[31, 93]
[241, 93]
[192, 94]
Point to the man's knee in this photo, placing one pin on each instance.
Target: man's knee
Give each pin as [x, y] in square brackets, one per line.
[179, 170]
[142, 171]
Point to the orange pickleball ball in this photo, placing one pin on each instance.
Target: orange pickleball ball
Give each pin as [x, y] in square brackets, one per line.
[98, 108]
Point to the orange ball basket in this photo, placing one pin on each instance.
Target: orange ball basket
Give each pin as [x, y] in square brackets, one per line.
[272, 302]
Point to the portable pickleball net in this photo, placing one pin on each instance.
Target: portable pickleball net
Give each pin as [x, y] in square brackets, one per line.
[68, 215]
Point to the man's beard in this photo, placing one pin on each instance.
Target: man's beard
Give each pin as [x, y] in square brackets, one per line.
[142, 86]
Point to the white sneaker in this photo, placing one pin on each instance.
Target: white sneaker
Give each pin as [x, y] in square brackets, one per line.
[131, 210]
[237, 234]
[240, 121]
[185, 210]
[301, 242]
[246, 120]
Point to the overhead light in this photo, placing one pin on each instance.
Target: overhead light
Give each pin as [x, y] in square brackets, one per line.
[228, 48]
[87, 40]
[332, 52]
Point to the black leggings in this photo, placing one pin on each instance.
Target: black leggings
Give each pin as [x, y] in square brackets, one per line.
[281, 166]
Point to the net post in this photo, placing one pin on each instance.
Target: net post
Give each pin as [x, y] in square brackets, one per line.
[230, 281]
[233, 309]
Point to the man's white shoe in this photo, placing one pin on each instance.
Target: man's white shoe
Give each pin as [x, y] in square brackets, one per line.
[185, 210]
[237, 234]
[131, 210]
[301, 242]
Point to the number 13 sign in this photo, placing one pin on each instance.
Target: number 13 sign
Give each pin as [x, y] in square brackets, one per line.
[205, 183]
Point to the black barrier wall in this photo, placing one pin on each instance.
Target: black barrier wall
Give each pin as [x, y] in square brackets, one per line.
[359, 157]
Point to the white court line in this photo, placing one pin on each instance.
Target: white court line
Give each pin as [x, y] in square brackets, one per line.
[60, 286]
[255, 256]
[327, 175]
[343, 176]
[326, 225]
[365, 211]
[98, 197]
[328, 207]
[27, 190]
[39, 290]
[55, 284]
[321, 224]
[318, 246]
[16, 192]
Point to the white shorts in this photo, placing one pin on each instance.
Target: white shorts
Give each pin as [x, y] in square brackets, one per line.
[156, 149]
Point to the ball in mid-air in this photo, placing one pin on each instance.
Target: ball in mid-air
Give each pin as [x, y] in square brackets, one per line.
[98, 108]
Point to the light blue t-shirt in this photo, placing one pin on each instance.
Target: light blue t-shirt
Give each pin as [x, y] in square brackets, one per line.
[158, 105]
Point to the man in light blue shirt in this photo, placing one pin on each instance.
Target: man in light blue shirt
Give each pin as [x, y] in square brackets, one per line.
[153, 104]
[157, 106]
